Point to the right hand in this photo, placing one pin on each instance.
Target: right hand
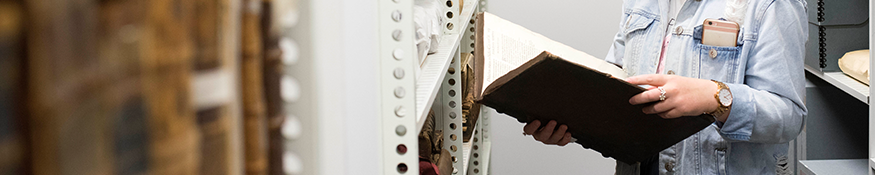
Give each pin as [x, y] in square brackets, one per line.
[549, 134]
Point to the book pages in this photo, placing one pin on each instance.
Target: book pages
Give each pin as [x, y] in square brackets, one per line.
[506, 46]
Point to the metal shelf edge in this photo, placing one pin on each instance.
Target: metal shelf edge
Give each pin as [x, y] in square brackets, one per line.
[435, 66]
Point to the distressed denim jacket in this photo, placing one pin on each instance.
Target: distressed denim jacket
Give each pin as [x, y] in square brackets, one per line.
[764, 73]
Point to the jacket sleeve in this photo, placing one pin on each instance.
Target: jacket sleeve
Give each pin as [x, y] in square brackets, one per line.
[618, 44]
[768, 107]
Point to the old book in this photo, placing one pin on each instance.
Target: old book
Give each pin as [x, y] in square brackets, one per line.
[119, 49]
[254, 110]
[530, 77]
[13, 145]
[166, 63]
[66, 116]
[272, 73]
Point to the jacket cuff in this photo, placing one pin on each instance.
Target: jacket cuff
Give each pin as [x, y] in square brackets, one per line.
[739, 124]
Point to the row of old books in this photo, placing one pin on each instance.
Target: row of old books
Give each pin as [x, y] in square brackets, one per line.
[139, 87]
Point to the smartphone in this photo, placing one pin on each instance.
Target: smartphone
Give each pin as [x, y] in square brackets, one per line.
[721, 33]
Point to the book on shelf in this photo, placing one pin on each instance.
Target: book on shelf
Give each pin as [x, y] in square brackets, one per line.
[531, 77]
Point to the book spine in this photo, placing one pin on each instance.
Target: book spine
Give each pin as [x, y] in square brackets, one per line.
[254, 112]
[206, 34]
[13, 145]
[214, 124]
[67, 117]
[272, 73]
[215, 120]
[168, 53]
[119, 43]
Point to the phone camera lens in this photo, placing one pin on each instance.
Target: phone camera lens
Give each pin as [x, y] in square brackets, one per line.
[710, 23]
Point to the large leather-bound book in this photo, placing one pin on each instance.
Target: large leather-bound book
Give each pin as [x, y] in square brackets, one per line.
[254, 109]
[530, 77]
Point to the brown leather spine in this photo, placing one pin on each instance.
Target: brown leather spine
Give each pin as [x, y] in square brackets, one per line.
[254, 112]
[67, 119]
[168, 51]
[273, 71]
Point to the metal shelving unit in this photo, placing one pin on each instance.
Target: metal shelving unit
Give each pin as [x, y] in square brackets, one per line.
[359, 104]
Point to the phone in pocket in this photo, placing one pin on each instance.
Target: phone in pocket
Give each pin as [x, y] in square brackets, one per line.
[719, 33]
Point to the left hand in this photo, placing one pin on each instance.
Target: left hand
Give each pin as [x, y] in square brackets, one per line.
[683, 96]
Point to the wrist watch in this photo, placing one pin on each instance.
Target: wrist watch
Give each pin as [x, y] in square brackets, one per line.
[724, 99]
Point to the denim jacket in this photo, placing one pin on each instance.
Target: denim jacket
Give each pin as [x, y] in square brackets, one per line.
[764, 73]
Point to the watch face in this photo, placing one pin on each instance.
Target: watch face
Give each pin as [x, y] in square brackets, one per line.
[725, 97]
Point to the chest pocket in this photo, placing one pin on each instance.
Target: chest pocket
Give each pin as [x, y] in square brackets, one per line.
[717, 63]
[638, 29]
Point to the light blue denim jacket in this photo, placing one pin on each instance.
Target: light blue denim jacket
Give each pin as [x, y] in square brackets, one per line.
[764, 73]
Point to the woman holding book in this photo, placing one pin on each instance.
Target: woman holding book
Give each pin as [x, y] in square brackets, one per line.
[753, 87]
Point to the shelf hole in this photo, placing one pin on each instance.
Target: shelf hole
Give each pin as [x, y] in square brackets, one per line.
[453, 126]
[452, 93]
[475, 147]
[402, 168]
[453, 148]
[455, 159]
[397, 34]
[451, 70]
[471, 22]
[396, 16]
[452, 82]
[472, 38]
[453, 115]
[476, 155]
[450, 15]
[401, 148]
[400, 130]
[476, 163]
[452, 104]
[449, 27]
[472, 45]
[475, 139]
[449, 3]
[471, 29]
[476, 170]
[453, 137]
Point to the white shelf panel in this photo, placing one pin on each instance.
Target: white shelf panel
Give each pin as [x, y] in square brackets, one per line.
[834, 167]
[847, 84]
[435, 66]
[871, 164]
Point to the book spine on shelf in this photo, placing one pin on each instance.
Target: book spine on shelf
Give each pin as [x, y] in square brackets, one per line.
[272, 73]
[254, 112]
[67, 113]
[214, 121]
[168, 53]
[119, 43]
[214, 125]
[13, 145]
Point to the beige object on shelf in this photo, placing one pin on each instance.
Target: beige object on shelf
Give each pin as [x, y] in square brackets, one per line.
[856, 65]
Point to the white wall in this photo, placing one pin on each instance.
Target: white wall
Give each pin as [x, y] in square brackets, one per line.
[586, 25]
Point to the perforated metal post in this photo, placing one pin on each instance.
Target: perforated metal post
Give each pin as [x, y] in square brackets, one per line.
[479, 162]
[448, 110]
[397, 52]
[450, 19]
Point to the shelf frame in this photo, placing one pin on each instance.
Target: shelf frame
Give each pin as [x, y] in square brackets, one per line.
[434, 66]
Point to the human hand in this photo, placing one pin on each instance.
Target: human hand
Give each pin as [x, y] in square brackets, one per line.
[683, 96]
[549, 134]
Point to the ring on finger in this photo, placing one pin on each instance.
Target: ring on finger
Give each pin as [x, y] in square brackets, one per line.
[661, 93]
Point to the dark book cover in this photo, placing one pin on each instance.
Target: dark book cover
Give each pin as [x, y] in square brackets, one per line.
[594, 106]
